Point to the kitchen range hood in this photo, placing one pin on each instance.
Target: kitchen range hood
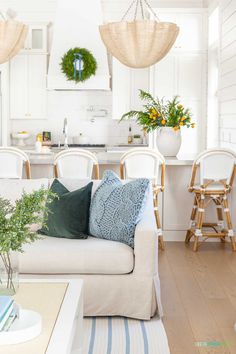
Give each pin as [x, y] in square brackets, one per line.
[77, 25]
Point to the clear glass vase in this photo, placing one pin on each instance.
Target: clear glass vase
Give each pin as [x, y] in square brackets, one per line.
[9, 273]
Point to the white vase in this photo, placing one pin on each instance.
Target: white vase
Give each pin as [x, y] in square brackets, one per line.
[168, 141]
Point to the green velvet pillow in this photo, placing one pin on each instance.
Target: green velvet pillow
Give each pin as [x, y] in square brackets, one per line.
[69, 214]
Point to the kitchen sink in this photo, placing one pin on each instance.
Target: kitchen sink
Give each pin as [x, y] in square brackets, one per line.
[93, 147]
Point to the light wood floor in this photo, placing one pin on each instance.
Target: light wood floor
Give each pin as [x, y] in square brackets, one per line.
[199, 297]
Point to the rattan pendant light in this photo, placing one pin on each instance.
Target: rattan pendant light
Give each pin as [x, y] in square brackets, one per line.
[140, 43]
[12, 38]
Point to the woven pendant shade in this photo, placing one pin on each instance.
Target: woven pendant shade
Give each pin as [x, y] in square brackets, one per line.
[140, 43]
[12, 38]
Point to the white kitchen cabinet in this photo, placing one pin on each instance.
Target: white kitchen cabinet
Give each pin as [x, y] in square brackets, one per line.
[18, 87]
[36, 40]
[37, 71]
[183, 72]
[28, 86]
[192, 24]
[126, 83]
[184, 75]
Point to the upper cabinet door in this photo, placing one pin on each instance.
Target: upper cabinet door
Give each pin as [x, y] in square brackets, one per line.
[19, 87]
[191, 35]
[139, 81]
[36, 40]
[163, 78]
[120, 89]
[37, 68]
[28, 86]
[126, 83]
[192, 24]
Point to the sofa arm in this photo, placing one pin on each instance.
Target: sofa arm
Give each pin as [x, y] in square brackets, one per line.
[146, 241]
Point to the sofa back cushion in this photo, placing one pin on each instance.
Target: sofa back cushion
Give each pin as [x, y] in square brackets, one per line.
[69, 213]
[12, 189]
[116, 207]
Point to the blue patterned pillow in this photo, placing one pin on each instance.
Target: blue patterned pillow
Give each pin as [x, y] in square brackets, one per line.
[116, 207]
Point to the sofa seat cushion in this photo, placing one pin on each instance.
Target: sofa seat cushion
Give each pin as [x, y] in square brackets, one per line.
[51, 255]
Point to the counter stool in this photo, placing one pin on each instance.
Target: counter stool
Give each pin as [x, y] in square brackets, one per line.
[146, 163]
[75, 163]
[216, 168]
[12, 161]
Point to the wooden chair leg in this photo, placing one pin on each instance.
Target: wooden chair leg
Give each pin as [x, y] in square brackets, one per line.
[229, 223]
[97, 171]
[192, 219]
[200, 218]
[220, 218]
[55, 171]
[27, 170]
[158, 222]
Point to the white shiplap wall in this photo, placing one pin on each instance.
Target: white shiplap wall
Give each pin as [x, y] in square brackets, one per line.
[227, 79]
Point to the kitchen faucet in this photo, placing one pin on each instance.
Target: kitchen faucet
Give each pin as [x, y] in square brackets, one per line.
[65, 132]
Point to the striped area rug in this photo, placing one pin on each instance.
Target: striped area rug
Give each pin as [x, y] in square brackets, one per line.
[118, 335]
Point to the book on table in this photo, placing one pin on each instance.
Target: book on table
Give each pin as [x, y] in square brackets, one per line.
[6, 308]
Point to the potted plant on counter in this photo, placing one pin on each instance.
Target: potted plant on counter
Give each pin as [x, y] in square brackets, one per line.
[166, 117]
[18, 225]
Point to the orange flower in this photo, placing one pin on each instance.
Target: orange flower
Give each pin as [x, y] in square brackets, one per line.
[181, 123]
[193, 125]
[176, 128]
[153, 111]
[163, 122]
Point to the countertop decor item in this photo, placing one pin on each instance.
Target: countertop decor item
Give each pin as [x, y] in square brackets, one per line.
[137, 139]
[47, 139]
[20, 137]
[17, 227]
[167, 117]
[78, 64]
[12, 36]
[139, 43]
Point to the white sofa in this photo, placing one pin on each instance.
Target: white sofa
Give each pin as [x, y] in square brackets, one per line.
[117, 279]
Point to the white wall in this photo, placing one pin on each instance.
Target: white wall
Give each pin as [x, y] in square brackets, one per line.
[74, 105]
[227, 87]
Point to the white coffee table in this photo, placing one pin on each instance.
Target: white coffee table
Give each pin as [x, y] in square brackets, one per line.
[60, 303]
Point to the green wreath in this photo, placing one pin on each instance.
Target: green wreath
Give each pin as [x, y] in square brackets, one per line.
[78, 57]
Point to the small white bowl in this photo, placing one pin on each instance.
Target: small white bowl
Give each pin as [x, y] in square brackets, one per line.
[20, 138]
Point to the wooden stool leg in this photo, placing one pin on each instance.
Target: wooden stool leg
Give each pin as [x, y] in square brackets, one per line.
[158, 222]
[192, 220]
[198, 230]
[229, 222]
[220, 218]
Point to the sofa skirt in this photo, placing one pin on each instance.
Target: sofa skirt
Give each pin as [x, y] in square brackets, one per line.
[117, 295]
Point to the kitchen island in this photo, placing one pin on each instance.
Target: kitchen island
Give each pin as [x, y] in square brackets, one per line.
[175, 202]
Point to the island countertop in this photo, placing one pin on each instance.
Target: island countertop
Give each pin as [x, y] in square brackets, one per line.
[108, 157]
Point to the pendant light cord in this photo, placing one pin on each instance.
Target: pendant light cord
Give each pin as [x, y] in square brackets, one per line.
[138, 3]
[151, 9]
[129, 8]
